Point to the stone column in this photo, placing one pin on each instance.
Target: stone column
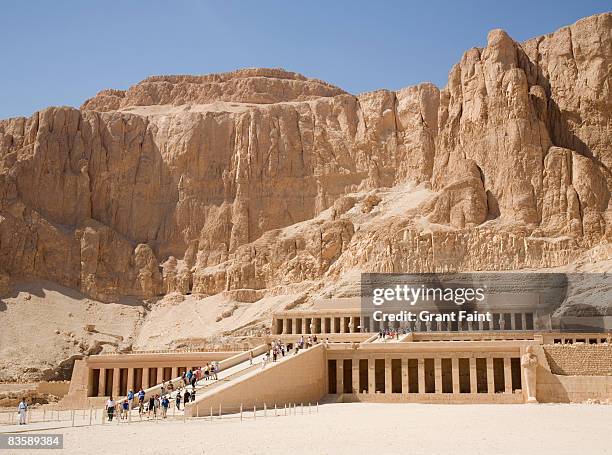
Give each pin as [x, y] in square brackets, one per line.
[304, 325]
[455, 361]
[342, 324]
[421, 364]
[339, 376]
[438, 375]
[294, 328]
[524, 321]
[333, 324]
[490, 378]
[102, 382]
[469, 326]
[90, 384]
[160, 375]
[174, 372]
[116, 382]
[388, 377]
[405, 388]
[355, 373]
[513, 321]
[480, 326]
[473, 378]
[507, 375]
[145, 378]
[371, 376]
[130, 379]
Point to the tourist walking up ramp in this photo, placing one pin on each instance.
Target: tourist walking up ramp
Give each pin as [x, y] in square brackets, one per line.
[298, 378]
[227, 367]
[226, 374]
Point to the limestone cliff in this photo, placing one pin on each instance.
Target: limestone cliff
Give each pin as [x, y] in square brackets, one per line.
[263, 177]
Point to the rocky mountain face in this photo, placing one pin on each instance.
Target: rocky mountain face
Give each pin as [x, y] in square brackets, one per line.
[263, 178]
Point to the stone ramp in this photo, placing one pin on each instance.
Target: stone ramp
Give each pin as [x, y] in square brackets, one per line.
[298, 378]
[223, 377]
[224, 365]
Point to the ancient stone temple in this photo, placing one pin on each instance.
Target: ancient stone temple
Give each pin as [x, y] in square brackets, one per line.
[349, 361]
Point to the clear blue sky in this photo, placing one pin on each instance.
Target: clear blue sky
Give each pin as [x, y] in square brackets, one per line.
[63, 52]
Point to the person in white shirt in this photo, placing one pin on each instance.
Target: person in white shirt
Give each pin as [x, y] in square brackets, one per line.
[110, 408]
[22, 409]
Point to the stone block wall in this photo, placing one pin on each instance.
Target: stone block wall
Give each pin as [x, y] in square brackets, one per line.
[554, 388]
[579, 359]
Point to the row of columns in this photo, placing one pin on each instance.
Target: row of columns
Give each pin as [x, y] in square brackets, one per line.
[116, 379]
[355, 324]
[388, 374]
[500, 321]
[317, 325]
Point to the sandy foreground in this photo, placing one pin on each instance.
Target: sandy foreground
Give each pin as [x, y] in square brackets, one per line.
[365, 428]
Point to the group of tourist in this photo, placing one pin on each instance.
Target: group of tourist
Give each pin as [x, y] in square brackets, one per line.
[305, 343]
[207, 372]
[390, 334]
[158, 404]
[277, 348]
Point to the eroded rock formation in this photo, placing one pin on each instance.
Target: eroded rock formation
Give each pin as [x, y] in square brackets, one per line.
[259, 178]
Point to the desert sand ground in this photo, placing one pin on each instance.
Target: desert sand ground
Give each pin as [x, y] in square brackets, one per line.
[361, 428]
